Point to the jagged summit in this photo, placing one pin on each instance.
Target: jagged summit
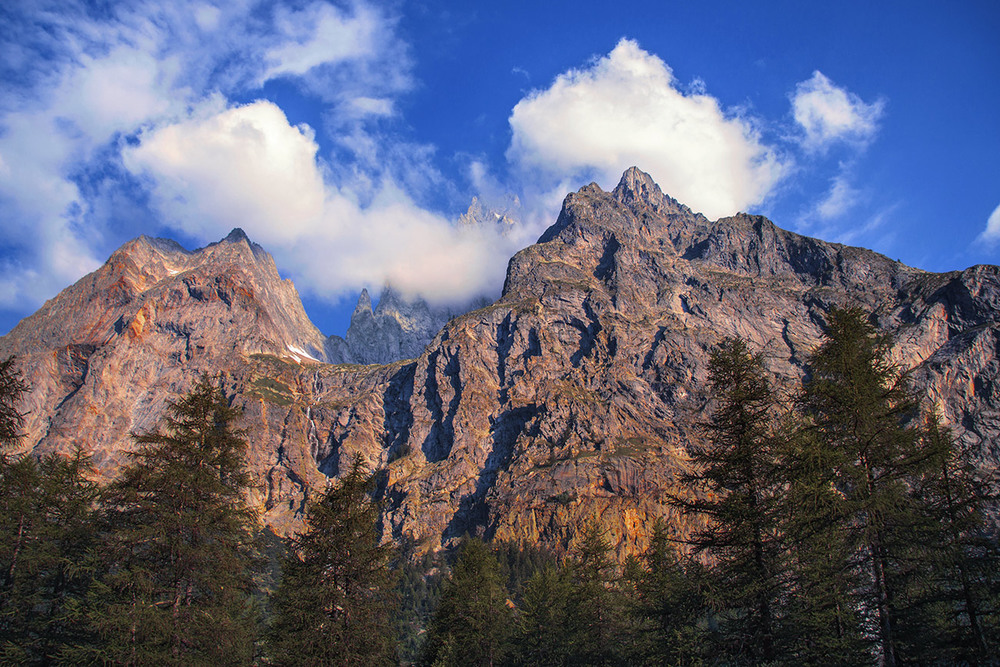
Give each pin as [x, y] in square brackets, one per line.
[636, 189]
[236, 236]
[364, 304]
[573, 396]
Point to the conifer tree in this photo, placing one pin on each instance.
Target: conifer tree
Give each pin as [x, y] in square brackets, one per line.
[473, 624]
[336, 596]
[957, 592]
[822, 612]
[738, 474]
[46, 526]
[12, 390]
[178, 544]
[46, 530]
[596, 609]
[542, 638]
[671, 602]
[860, 404]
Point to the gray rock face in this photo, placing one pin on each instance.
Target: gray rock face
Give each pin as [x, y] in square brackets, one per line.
[400, 328]
[396, 329]
[503, 218]
[574, 396]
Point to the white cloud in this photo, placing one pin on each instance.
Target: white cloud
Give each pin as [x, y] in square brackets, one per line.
[240, 167]
[828, 114]
[841, 198]
[247, 166]
[627, 109]
[86, 87]
[321, 34]
[991, 234]
[207, 17]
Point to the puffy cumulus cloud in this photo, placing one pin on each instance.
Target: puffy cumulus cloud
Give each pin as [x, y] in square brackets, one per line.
[79, 84]
[91, 102]
[239, 167]
[829, 114]
[627, 109]
[991, 234]
[247, 166]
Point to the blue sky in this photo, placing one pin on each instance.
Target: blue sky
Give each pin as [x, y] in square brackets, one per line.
[347, 138]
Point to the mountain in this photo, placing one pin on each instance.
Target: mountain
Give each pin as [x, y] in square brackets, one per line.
[400, 328]
[574, 395]
[397, 328]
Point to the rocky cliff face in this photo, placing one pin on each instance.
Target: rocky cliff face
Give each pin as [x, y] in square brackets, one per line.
[397, 328]
[105, 354]
[572, 396]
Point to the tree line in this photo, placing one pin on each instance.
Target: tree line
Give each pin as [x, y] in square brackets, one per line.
[842, 525]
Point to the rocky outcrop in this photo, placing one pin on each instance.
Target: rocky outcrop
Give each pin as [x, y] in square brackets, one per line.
[397, 328]
[574, 396]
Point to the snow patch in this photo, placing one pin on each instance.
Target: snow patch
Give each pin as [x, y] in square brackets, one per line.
[298, 353]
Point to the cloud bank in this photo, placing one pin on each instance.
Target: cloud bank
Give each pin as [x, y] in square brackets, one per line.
[147, 93]
[626, 109]
[247, 166]
[152, 118]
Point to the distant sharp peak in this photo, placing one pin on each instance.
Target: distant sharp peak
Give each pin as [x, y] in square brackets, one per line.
[637, 190]
[364, 306]
[237, 238]
[501, 216]
[143, 246]
[236, 235]
[163, 245]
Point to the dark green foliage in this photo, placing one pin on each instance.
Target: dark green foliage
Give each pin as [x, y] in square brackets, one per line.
[859, 404]
[822, 612]
[519, 563]
[956, 597]
[596, 609]
[542, 637]
[670, 602]
[473, 624]
[336, 596]
[178, 545]
[12, 389]
[739, 479]
[419, 591]
[46, 529]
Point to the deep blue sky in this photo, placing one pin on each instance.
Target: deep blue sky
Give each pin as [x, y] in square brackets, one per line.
[347, 138]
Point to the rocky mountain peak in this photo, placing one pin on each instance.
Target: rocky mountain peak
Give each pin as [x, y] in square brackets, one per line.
[364, 306]
[236, 236]
[637, 190]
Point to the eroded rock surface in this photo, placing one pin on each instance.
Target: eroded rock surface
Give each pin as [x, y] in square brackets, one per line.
[574, 396]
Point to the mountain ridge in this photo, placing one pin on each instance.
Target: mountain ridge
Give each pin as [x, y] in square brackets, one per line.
[571, 397]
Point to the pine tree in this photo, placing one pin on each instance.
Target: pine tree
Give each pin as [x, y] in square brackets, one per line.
[738, 475]
[473, 624]
[46, 530]
[860, 404]
[12, 390]
[178, 544]
[337, 595]
[596, 610]
[542, 638]
[671, 603]
[957, 593]
[822, 617]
